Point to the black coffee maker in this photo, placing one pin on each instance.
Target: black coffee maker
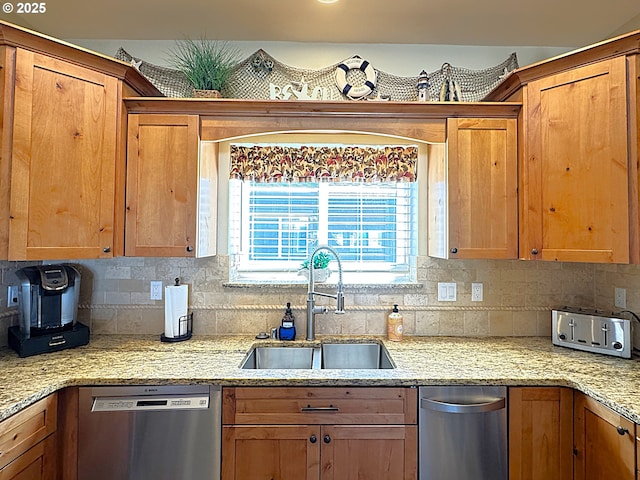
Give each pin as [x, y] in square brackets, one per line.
[48, 305]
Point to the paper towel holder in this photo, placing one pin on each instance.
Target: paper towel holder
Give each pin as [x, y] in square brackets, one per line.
[185, 324]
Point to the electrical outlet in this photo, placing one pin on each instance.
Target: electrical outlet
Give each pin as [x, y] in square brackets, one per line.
[156, 290]
[620, 297]
[12, 296]
[476, 292]
[446, 292]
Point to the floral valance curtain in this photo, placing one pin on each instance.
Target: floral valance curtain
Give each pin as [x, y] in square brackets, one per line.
[278, 163]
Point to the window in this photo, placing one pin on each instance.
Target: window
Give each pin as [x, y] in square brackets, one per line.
[273, 226]
[371, 225]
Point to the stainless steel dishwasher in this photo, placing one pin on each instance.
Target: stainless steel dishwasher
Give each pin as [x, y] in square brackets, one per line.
[162, 432]
[463, 433]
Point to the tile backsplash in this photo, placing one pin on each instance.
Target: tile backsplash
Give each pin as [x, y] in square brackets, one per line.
[517, 297]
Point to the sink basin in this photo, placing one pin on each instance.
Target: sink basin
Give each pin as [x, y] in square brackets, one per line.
[328, 356]
[281, 357]
[355, 355]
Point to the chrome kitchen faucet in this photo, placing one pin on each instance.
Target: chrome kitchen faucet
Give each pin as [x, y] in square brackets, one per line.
[339, 296]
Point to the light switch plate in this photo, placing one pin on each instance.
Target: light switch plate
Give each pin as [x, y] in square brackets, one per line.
[156, 290]
[446, 292]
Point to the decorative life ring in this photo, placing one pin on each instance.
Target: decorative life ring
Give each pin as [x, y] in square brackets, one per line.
[348, 89]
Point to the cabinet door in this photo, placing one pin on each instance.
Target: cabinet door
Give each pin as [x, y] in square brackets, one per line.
[7, 69]
[374, 452]
[271, 452]
[473, 190]
[27, 428]
[604, 442]
[37, 463]
[63, 160]
[575, 173]
[162, 185]
[540, 433]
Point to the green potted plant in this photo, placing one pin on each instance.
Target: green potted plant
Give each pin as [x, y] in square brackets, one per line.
[207, 64]
[321, 270]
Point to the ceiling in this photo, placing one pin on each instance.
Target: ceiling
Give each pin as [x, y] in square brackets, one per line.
[570, 23]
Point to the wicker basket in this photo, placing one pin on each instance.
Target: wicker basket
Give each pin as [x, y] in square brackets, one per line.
[206, 94]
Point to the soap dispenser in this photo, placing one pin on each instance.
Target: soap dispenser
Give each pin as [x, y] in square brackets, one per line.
[287, 328]
[394, 325]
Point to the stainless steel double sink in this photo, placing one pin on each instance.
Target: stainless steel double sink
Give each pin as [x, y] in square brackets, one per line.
[324, 356]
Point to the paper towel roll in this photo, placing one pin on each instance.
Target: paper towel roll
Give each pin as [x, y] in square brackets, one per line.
[176, 304]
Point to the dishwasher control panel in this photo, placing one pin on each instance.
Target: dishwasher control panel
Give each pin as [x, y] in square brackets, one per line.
[151, 402]
[592, 331]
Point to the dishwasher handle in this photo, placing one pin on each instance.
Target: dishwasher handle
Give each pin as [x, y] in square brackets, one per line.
[446, 407]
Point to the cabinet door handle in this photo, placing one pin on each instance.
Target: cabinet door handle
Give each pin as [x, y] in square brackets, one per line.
[189, 248]
[454, 250]
[326, 439]
[313, 439]
[106, 249]
[534, 251]
[309, 408]
[621, 430]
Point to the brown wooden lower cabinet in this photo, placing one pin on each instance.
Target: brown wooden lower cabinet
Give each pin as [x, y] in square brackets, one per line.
[37, 463]
[28, 442]
[318, 452]
[273, 451]
[540, 433]
[604, 442]
[67, 463]
[368, 451]
[335, 433]
[637, 454]
[350, 434]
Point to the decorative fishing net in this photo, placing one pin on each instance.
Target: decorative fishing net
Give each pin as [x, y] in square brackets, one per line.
[260, 76]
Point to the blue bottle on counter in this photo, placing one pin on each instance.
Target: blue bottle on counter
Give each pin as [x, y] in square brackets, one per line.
[288, 328]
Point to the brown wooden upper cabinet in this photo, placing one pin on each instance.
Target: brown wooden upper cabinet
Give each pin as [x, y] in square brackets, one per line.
[578, 141]
[575, 176]
[171, 188]
[473, 209]
[63, 160]
[63, 152]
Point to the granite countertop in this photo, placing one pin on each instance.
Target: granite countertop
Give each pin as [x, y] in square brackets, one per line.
[129, 360]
